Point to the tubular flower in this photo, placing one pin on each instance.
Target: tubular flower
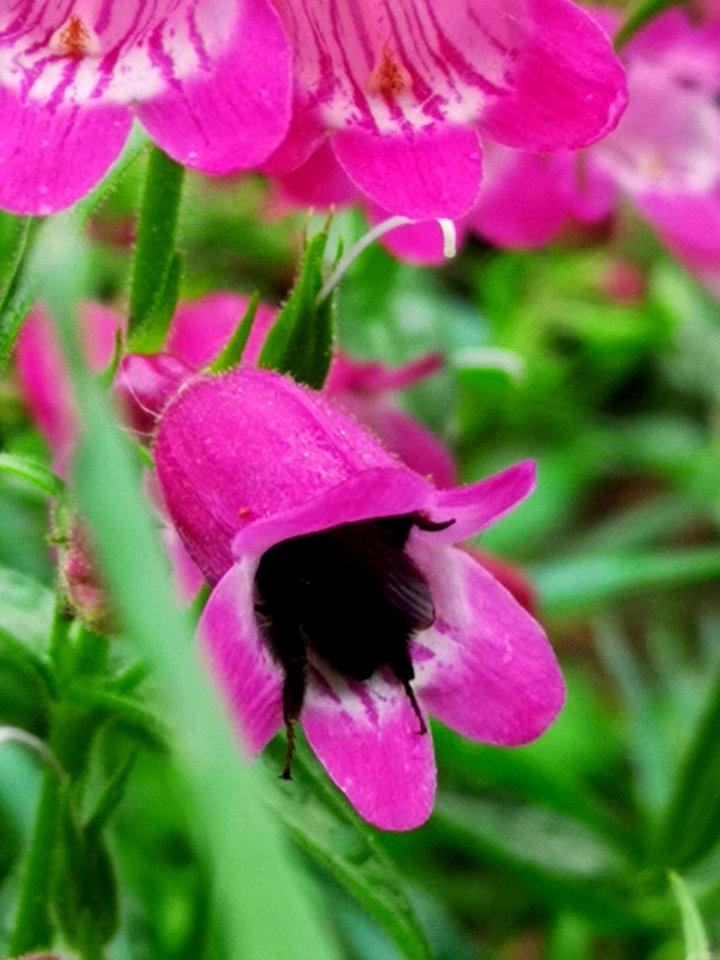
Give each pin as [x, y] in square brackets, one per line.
[200, 329]
[208, 79]
[403, 88]
[339, 599]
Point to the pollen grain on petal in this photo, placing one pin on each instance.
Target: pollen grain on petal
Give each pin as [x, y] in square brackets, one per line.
[389, 78]
[75, 39]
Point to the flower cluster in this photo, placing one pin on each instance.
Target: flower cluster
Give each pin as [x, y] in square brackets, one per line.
[401, 90]
[340, 598]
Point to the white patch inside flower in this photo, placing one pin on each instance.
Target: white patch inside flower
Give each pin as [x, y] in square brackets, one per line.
[119, 55]
[405, 62]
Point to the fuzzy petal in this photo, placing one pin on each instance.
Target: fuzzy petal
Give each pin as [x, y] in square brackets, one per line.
[569, 89]
[51, 158]
[421, 174]
[491, 674]
[240, 658]
[367, 737]
[234, 111]
[479, 505]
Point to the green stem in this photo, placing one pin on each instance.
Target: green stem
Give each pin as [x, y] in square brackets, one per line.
[33, 928]
[155, 257]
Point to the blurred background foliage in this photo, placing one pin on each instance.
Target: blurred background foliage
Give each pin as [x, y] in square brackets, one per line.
[600, 358]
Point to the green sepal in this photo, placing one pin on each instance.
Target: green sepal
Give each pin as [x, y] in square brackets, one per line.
[301, 340]
[231, 354]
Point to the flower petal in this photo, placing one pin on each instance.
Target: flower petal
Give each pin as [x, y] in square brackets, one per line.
[240, 658]
[569, 89]
[51, 158]
[491, 673]
[201, 328]
[367, 737]
[477, 506]
[375, 492]
[234, 111]
[421, 174]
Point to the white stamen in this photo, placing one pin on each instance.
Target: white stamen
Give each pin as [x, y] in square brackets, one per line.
[449, 248]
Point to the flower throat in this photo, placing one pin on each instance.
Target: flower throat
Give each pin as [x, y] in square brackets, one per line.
[351, 597]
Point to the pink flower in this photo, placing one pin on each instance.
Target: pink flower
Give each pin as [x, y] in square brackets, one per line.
[664, 155]
[403, 88]
[339, 597]
[208, 79]
[42, 374]
[200, 329]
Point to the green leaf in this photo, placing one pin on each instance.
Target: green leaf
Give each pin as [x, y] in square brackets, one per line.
[324, 825]
[691, 826]
[582, 582]
[33, 472]
[300, 342]
[252, 869]
[231, 354]
[18, 294]
[697, 946]
[566, 864]
[156, 271]
[26, 608]
[85, 897]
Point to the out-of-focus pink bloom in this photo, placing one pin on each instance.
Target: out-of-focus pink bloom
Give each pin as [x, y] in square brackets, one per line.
[42, 374]
[528, 199]
[44, 382]
[363, 389]
[404, 88]
[208, 79]
[257, 471]
[664, 155]
[201, 328]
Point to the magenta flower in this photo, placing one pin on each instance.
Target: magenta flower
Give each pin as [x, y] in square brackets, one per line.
[42, 375]
[339, 597]
[201, 328]
[404, 88]
[208, 79]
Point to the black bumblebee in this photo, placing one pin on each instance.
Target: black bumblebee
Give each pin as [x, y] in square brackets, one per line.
[350, 596]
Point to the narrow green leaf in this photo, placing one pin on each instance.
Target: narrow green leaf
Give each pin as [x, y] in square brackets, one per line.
[582, 582]
[301, 340]
[85, 897]
[691, 826]
[252, 869]
[324, 825]
[26, 608]
[231, 354]
[18, 295]
[565, 864]
[697, 946]
[156, 269]
[33, 472]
